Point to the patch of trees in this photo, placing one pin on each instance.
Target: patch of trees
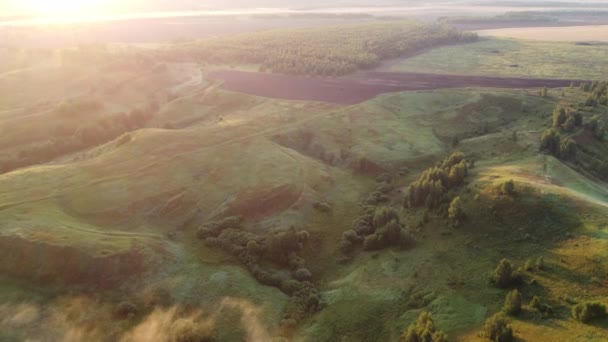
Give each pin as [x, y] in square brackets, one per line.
[598, 93]
[587, 312]
[267, 257]
[432, 187]
[376, 230]
[424, 330]
[328, 51]
[504, 276]
[86, 136]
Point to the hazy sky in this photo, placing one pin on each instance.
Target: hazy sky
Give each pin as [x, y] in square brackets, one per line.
[29, 7]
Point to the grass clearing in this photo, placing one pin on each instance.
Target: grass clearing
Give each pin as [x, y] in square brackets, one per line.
[506, 57]
[597, 33]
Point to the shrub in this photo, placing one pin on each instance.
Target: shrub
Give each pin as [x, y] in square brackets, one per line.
[424, 330]
[586, 312]
[503, 275]
[383, 216]
[432, 186]
[550, 141]
[512, 303]
[529, 265]
[559, 116]
[508, 188]
[455, 212]
[535, 303]
[567, 149]
[497, 328]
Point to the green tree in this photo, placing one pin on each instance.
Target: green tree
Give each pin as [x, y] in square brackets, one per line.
[497, 328]
[559, 116]
[503, 274]
[544, 92]
[550, 141]
[513, 303]
[567, 148]
[455, 212]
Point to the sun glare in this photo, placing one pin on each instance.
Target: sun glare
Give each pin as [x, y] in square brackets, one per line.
[66, 8]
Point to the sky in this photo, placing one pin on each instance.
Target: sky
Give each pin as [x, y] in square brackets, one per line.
[75, 7]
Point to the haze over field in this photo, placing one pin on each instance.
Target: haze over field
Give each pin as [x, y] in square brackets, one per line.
[266, 170]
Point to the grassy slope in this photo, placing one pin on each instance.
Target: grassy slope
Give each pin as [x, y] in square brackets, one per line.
[498, 56]
[159, 179]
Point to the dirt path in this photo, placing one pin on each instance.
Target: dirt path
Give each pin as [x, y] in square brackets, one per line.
[363, 86]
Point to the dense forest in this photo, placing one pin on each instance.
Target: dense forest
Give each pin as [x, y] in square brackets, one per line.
[329, 51]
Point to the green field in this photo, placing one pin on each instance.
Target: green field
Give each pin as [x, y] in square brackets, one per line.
[503, 57]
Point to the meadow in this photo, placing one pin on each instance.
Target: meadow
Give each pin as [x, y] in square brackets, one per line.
[510, 57]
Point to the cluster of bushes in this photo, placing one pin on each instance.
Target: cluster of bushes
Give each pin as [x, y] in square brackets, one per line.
[504, 276]
[424, 330]
[74, 140]
[552, 142]
[329, 51]
[587, 312]
[598, 93]
[566, 119]
[256, 251]
[376, 230]
[432, 187]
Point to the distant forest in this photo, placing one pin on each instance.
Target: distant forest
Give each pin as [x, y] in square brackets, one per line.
[327, 51]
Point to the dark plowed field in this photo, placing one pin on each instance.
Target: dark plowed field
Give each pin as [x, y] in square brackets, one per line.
[363, 86]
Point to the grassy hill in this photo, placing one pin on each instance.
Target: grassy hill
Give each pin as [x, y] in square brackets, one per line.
[104, 241]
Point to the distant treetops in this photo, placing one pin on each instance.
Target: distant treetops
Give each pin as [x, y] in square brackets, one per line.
[327, 51]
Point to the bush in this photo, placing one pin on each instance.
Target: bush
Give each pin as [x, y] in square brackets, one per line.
[503, 275]
[535, 303]
[529, 265]
[550, 141]
[512, 303]
[432, 186]
[383, 216]
[508, 188]
[567, 148]
[424, 330]
[497, 328]
[455, 212]
[589, 311]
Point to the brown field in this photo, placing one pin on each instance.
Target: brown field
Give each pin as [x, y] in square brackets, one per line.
[556, 34]
[363, 86]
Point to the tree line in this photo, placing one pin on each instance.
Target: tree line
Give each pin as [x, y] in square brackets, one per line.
[329, 51]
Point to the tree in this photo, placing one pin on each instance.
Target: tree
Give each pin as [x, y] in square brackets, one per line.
[497, 328]
[503, 275]
[424, 330]
[550, 141]
[508, 188]
[455, 212]
[567, 148]
[535, 303]
[559, 116]
[512, 304]
[544, 92]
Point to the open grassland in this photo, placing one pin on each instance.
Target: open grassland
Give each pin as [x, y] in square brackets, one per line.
[597, 33]
[511, 58]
